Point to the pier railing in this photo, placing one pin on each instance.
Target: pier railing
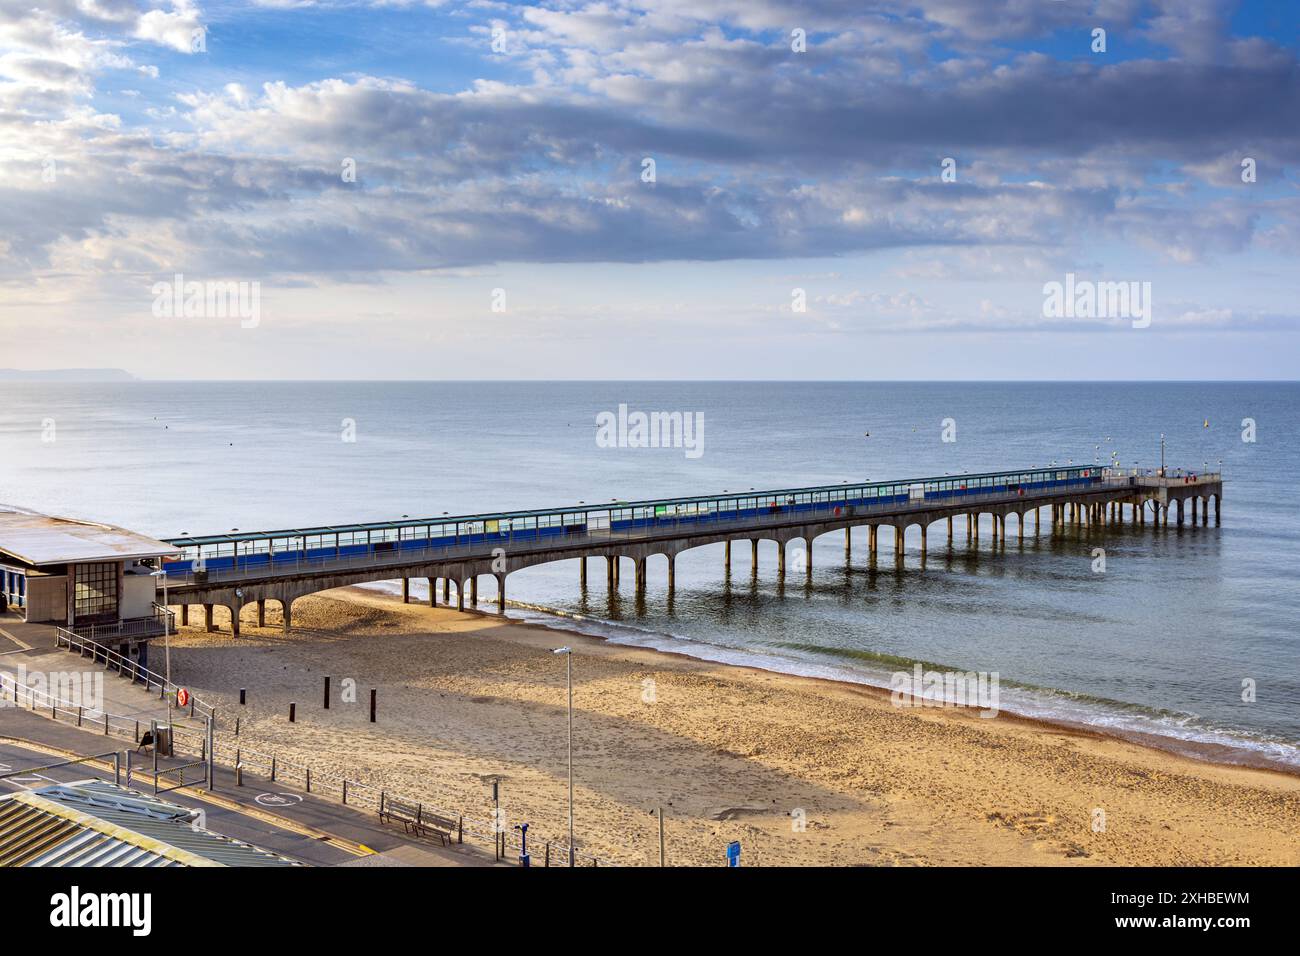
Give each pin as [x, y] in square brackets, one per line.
[780, 515]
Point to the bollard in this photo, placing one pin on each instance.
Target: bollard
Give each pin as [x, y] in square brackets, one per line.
[273, 769]
[78, 716]
[345, 791]
[372, 705]
[327, 693]
[242, 696]
[292, 710]
[236, 726]
[239, 774]
[309, 779]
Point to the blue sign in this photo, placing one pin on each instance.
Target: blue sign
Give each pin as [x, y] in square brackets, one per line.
[733, 853]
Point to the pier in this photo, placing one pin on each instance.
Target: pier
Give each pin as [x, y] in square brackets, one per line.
[237, 569]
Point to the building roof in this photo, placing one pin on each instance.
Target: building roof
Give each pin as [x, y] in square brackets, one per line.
[97, 823]
[39, 539]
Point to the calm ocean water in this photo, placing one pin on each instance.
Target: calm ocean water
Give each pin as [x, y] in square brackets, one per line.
[1159, 643]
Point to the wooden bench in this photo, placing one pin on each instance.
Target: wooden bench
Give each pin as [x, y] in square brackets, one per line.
[428, 826]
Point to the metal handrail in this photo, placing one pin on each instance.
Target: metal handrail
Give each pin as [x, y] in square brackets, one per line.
[127, 667]
[160, 622]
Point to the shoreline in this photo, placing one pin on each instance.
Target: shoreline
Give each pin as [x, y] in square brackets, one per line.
[1208, 752]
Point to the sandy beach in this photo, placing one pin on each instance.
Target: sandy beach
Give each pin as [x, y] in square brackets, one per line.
[801, 771]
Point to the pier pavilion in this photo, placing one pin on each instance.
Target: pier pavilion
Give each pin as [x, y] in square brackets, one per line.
[97, 578]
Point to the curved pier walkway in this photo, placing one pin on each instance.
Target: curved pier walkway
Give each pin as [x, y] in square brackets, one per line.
[237, 569]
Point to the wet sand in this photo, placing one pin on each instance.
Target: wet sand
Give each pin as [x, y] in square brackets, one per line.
[802, 771]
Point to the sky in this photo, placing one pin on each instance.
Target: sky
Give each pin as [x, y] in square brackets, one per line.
[697, 189]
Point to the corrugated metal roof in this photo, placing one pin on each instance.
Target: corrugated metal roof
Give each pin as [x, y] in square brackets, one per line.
[97, 823]
[41, 539]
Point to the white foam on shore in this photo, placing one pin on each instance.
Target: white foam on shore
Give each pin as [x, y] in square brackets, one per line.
[1054, 706]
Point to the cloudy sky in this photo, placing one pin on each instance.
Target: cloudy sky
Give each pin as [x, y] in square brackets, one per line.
[648, 189]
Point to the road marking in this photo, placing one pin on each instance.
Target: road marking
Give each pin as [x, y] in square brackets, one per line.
[278, 799]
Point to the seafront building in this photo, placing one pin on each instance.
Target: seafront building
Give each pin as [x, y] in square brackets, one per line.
[97, 578]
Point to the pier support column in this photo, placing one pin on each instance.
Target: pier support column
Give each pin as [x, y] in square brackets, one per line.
[995, 531]
[924, 529]
[726, 556]
[780, 559]
[1180, 511]
[950, 531]
[1164, 516]
[406, 590]
[609, 571]
[807, 557]
[473, 591]
[753, 543]
[261, 612]
[848, 545]
[286, 610]
[1194, 510]
[1020, 527]
[970, 527]
[640, 575]
[1205, 511]
[1216, 509]
[871, 542]
[433, 591]
[899, 534]
[185, 614]
[460, 595]
[446, 590]
[501, 589]
[582, 573]
[672, 572]
[618, 569]
[207, 618]
[234, 618]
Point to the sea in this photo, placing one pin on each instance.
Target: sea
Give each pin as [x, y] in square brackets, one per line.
[1186, 637]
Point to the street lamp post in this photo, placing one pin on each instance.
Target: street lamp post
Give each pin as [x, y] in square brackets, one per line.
[568, 677]
[167, 627]
[1162, 454]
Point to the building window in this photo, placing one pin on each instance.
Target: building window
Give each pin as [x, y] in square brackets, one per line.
[96, 591]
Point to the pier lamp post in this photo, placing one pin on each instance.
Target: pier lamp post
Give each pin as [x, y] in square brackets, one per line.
[1162, 454]
[167, 627]
[568, 677]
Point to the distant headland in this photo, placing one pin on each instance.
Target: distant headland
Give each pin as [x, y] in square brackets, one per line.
[66, 375]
